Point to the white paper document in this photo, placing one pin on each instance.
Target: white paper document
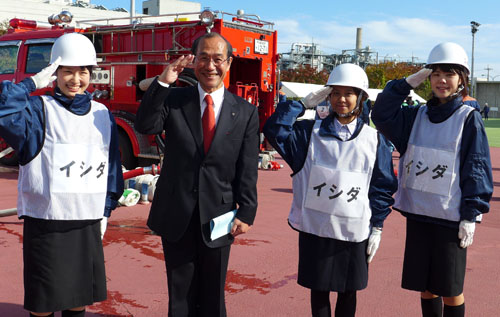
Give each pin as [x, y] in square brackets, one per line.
[222, 225]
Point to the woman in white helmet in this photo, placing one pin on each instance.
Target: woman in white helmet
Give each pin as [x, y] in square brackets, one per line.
[445, 178]
[70, 179]
[343, 183]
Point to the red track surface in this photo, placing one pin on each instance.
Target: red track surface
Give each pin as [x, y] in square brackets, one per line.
[263, 265]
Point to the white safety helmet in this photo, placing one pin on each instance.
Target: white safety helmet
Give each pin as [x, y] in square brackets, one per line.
[349, 75]
[75, 49]
[449, 53]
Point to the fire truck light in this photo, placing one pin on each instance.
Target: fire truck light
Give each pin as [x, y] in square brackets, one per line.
[21, 23]
[54, 19]
[63, 17]
[207, 17]
[66, 16]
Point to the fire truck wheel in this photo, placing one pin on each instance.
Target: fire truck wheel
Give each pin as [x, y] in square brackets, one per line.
[126, 152]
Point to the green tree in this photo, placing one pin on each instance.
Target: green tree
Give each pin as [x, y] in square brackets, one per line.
[4, 25]
[305, 74]
[380, 74]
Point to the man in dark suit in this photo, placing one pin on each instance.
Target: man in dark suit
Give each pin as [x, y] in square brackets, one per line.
[201, 180]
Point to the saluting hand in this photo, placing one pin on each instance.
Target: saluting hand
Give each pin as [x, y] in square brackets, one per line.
[172, 71]
[46, 75]
[414, 80]
[316, 97]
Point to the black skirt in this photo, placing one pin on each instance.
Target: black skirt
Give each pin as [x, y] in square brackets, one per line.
[63, 264]
[332, 265]
[434, 260]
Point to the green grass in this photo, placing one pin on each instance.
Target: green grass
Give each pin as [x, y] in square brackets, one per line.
[492, 127]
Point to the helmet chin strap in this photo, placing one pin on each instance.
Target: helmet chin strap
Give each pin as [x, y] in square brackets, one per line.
[455, 94]
[351, 113]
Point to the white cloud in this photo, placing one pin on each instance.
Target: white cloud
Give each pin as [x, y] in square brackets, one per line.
[398, 37]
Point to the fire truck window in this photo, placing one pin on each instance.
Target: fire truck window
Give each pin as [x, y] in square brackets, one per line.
[38, 57]
[244, 70]
[8, 59]
[97, 40]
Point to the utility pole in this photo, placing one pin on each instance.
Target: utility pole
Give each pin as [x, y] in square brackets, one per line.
[132, 11]
[487, 69]
[474, 27]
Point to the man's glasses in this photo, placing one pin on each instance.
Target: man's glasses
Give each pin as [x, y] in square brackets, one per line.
[218, 61]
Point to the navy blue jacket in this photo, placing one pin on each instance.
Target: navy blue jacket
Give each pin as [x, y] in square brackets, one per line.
[396, 123]
[473, 103]
[365, 114]
[22, 126]
[291, 139]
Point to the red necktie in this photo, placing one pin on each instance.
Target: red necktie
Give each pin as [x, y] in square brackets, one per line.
[208, 123]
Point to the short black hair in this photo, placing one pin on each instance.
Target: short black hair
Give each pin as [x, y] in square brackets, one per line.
[88, 67]
[210, 35]
[363, 96]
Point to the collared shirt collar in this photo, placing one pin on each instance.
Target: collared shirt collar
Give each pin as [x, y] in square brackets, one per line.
[217, 97]
[329, 127]
[351, 126]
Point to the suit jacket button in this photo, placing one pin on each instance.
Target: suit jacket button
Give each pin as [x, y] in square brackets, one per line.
[195, 190]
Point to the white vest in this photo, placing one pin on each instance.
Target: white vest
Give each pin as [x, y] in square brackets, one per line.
[429, 171]
[67, 180]
[331, 190]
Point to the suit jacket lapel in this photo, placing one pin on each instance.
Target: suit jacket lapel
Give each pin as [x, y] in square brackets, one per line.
[192, 113]
[228, 113]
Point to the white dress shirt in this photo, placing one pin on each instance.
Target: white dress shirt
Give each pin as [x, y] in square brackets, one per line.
[345, 131]
[217, 97]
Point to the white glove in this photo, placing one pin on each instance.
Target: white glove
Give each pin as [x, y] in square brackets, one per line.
[46, 75]
[104, 225]
[419, 77]
[466, 232]
[373, 243]
[479, 218]
[316, 97]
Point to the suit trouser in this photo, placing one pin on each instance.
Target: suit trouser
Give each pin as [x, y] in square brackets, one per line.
[196, 274]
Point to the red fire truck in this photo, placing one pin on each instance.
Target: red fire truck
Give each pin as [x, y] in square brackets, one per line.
[129, 53]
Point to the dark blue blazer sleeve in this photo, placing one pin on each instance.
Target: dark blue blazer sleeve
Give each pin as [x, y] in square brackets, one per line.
[383, 183]
[289, 137]
[115, 175]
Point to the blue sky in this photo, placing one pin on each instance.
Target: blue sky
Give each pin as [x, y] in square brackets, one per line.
[395, 29]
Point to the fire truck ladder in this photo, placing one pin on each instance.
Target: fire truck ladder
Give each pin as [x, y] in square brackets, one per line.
[245, 22]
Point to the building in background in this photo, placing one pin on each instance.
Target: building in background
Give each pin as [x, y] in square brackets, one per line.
[159, 7]
[302, 54]
[40, 10]
[488, 91]
[310, 54]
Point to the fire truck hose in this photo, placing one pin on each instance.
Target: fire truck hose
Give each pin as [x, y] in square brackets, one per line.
[141, 180]
[153, 169]
[8, 212]
[7, 151]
